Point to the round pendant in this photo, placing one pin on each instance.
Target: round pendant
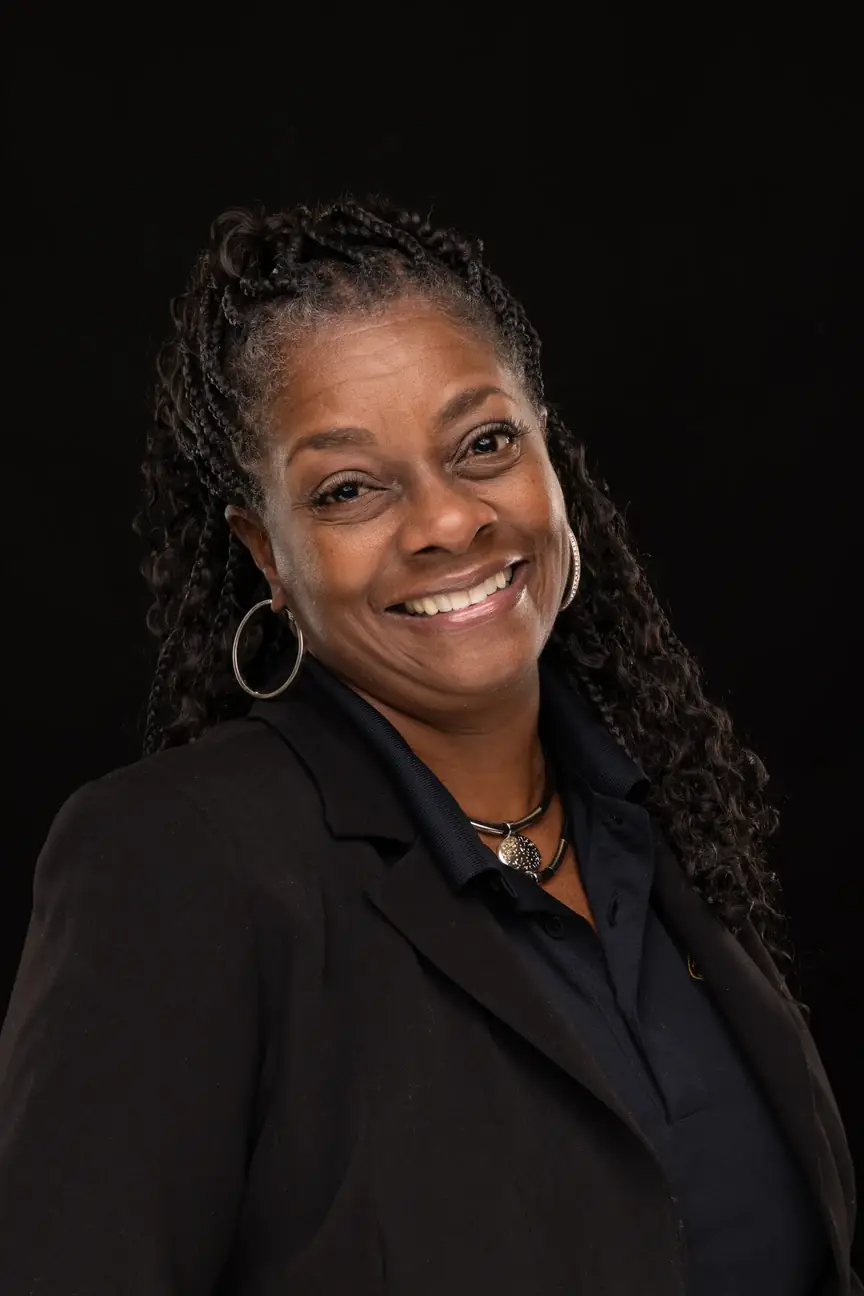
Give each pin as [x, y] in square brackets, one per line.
[520, 853]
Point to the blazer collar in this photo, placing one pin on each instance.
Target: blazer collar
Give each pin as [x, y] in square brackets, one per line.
[574, 727]
[358, 795]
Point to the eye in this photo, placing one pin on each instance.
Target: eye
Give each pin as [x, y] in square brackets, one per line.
[484, 443]
[340, 492]
[497, 439]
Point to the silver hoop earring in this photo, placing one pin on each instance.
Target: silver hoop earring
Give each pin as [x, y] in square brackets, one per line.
[575, 571]
[235, 650]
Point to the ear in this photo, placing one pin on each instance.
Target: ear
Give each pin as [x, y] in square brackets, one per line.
[249, 528]
[543, 417]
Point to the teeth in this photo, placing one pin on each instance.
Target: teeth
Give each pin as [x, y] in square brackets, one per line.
[459, 599]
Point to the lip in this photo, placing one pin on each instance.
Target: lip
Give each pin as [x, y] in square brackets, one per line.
[469, 581]
[499, 602]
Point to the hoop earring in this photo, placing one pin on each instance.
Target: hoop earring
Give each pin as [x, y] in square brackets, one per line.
[235, 649]
[575, 572]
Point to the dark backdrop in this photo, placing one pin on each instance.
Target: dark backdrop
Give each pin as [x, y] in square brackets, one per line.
[683, 224]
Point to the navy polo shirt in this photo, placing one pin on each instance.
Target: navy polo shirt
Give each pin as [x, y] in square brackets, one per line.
[750, 1222]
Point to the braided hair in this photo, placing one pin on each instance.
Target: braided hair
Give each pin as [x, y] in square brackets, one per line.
[263, 278]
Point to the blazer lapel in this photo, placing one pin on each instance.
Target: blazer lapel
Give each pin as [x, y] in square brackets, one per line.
[460, 935]
[457, 933]
[763, 1023]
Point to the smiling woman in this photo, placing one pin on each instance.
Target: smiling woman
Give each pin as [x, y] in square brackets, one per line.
[452, 964]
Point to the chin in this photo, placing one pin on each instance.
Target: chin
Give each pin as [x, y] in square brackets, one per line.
[481, 676]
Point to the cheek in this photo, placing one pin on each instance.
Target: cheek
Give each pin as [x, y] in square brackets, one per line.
[542, 505]
[324, 568]
[544, 514]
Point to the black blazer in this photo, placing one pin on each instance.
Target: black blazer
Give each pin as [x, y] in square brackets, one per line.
[257, 1046]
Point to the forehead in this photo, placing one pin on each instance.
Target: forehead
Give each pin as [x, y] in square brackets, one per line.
[360, 366]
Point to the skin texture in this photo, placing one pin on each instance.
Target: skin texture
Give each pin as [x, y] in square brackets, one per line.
[420, 500]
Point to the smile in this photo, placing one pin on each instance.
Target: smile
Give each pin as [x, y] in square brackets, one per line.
[456, 600]
[458, 607]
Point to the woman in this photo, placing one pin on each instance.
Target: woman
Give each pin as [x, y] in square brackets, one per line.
[450, 965]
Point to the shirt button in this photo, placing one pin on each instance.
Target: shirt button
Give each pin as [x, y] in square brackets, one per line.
[500, 883]
[553, 925]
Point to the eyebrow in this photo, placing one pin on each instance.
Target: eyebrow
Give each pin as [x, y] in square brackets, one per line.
[465, 401]
[334, 438]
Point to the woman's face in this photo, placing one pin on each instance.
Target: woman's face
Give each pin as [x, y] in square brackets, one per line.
[406, 463]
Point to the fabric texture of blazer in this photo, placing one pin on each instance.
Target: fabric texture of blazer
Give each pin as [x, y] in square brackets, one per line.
[257, 1046]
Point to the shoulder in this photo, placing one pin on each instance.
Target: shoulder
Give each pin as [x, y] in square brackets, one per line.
[209, 833]
[238, 774]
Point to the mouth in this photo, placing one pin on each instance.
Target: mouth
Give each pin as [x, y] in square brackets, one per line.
[458, 607]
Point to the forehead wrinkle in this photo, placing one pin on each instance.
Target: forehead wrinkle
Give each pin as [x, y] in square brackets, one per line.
[401, 374]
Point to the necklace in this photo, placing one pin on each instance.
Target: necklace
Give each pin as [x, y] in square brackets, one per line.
[518, 851]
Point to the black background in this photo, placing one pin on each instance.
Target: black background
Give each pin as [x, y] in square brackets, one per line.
[681, 215]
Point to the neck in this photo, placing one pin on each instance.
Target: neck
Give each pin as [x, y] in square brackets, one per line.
[490, 760]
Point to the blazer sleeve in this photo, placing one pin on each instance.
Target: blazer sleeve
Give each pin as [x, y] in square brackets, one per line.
[128, 1053]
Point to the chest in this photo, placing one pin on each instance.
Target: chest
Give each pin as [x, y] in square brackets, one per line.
[426, 1121]
[413, 1140]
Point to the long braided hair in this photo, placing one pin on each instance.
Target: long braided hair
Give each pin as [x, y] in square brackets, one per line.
[266, 276]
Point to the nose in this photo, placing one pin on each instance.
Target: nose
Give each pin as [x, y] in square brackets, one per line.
[446, 515]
